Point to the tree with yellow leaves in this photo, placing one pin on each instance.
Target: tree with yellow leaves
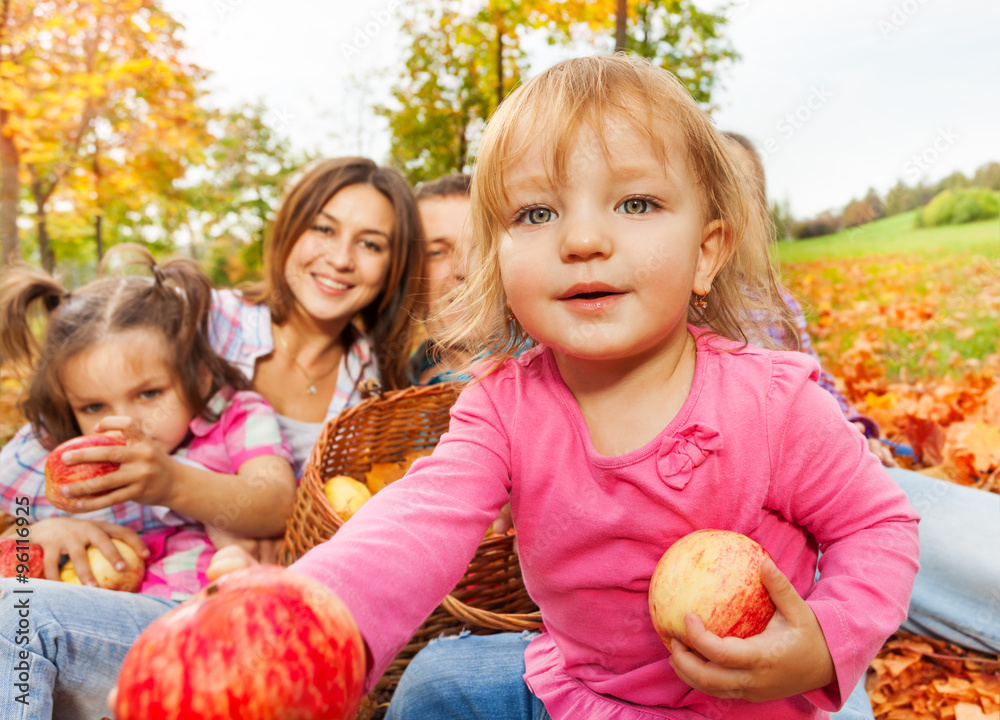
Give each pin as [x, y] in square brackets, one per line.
[97, 108]
[463, 59]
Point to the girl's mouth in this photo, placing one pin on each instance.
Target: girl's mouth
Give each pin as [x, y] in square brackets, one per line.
[592, 302]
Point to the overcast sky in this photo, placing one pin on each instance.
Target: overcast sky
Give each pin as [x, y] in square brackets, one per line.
[839, 95]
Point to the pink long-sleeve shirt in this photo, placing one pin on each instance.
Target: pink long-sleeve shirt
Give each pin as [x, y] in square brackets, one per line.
[758, 447]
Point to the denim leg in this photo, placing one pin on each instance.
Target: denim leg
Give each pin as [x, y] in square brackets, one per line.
[956, 595]
[857, 707]
[71, 644]
[467, 677]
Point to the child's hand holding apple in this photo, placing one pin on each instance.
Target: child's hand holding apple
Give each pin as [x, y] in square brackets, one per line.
[60, 536]
[97, 471]
[734, 624]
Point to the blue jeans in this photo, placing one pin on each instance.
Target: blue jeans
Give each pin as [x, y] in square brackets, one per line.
[468, 677]
[72, 643]
[857, 707]
[956, 596]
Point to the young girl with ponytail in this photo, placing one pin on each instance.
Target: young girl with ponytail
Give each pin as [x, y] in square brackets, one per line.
[128, 355]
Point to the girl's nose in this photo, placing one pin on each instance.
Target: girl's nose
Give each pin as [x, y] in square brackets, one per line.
[583, 237]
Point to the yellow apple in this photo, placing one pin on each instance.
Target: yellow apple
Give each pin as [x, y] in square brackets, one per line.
[345, 494]
[714, 574]
[128, 580]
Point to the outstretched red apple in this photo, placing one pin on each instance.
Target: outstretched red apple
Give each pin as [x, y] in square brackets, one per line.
[714, 574]
[58, 474]
[21, 558]
[259, 644]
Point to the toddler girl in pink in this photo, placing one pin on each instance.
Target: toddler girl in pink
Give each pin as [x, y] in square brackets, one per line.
[613, 228]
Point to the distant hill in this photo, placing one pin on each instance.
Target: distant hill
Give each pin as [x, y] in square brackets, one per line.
[895, 234]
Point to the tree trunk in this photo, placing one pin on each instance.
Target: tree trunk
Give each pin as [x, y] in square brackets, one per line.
[97, 237]
[10, 191]
[44, 246]
[499, 63]
[463, 147]
[621, 17]
[10, 182]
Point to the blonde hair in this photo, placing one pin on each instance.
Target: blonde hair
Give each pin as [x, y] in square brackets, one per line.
[592, 92]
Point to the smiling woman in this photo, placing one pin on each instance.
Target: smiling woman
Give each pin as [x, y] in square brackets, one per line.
[338, 294]
[334, 309]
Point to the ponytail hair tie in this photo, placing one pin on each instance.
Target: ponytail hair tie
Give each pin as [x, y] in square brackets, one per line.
[158, 275]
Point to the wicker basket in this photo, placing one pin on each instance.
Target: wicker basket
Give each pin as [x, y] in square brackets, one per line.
[489, 597]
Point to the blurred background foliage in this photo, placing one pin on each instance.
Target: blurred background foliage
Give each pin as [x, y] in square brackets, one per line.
[107, 136]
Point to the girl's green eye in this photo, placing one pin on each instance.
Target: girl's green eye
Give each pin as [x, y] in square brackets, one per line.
[538, 216]
[635, 206]
[150, 394]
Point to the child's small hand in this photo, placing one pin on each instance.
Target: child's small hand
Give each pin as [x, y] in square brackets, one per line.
[504, 522]
[72, 536]
[788, 658]
[144, 476]
[880, 451]
[263, 550]
[227, 560]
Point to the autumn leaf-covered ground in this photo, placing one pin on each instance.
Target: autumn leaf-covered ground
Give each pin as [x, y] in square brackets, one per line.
[907, 320]
[913, 335]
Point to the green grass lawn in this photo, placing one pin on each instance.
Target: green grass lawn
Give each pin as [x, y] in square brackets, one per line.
[928, 297]
[893, 235]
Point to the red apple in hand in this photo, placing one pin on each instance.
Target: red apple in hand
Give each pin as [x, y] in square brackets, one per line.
[258, 644]
[21, 558]
[128, 580]
[714, 574]
[58, 474]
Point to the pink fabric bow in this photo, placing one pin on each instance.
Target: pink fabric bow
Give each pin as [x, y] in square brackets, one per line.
[685, 450]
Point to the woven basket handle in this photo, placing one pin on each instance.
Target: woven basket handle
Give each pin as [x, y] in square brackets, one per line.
[491, 620]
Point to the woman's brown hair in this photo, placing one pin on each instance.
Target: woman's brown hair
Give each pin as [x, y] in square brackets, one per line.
[173, 299]
[388, 320]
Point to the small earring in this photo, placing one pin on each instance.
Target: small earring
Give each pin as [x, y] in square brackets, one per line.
[699, 301]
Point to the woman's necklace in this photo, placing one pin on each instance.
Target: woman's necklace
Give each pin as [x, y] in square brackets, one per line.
[312, 389]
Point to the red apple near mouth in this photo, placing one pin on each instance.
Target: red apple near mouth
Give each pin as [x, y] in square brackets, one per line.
[714, 574]
[58, 474]
[257, 644]
[21, 558]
